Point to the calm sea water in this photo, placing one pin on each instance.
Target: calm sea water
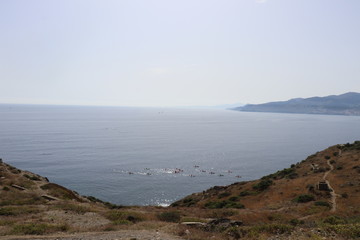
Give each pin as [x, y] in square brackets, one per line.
[93, 149]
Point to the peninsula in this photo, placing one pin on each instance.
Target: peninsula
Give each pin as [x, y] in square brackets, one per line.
[344, 104]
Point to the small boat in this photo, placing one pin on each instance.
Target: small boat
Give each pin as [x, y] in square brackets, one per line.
[221, 175]
[211, 172]
[131, 173]
[196, 166]
[178, 170]
[238, 176]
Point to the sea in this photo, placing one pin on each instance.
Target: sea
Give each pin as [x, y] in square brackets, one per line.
[155, 156]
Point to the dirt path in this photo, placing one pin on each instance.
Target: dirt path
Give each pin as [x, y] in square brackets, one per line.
[118, 235]
[332, 192]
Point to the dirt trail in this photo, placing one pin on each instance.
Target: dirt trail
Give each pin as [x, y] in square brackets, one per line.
[332, 192]
[118, 235]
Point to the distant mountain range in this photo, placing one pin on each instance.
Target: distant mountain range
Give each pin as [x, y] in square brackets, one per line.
[344, 104]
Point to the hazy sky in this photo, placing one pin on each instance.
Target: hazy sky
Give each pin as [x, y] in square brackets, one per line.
[177, 52]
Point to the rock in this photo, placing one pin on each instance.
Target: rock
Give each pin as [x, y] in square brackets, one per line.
[194, 224]
[222, 223]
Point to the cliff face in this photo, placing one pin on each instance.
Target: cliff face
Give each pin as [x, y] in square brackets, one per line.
[345, 104]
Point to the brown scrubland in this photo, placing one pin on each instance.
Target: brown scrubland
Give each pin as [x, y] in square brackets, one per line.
[316, 198]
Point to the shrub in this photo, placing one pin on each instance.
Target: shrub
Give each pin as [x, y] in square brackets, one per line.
[224, 194]
[334, 220]
[224, 204]
[245, 193]
[34, 178]
[222, 213]
[169, 216]
[344, 195]
[120, 217]
[304, 198]
[311, 187]
[296, 222]
[234, 199]
[6, 188]
[285, 173]
[122, 222]
[263, 184]
[322, 203]
[351, 231]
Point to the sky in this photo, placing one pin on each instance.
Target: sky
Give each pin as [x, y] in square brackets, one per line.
[177, 52]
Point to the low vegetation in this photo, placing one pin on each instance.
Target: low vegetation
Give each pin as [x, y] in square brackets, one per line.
[171, 216]
[124, 217]
[263, 184]
[304, 198]
[38, 229]
[223, 204]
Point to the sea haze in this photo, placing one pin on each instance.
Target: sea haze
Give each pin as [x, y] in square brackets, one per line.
[92, 149]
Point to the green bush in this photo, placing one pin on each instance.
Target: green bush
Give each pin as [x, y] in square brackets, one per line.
[304, 198]
[224, 204]
[234, 199]
[245, 193]
[121, 217]
[296, 222]
[285, 173]
[334, 220]
[322, 203]
[224, 194]
[263, 184]
[169, 216]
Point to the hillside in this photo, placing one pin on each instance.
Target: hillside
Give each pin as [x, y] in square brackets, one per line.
[345, 104]
[293, 195]
[289, 204]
